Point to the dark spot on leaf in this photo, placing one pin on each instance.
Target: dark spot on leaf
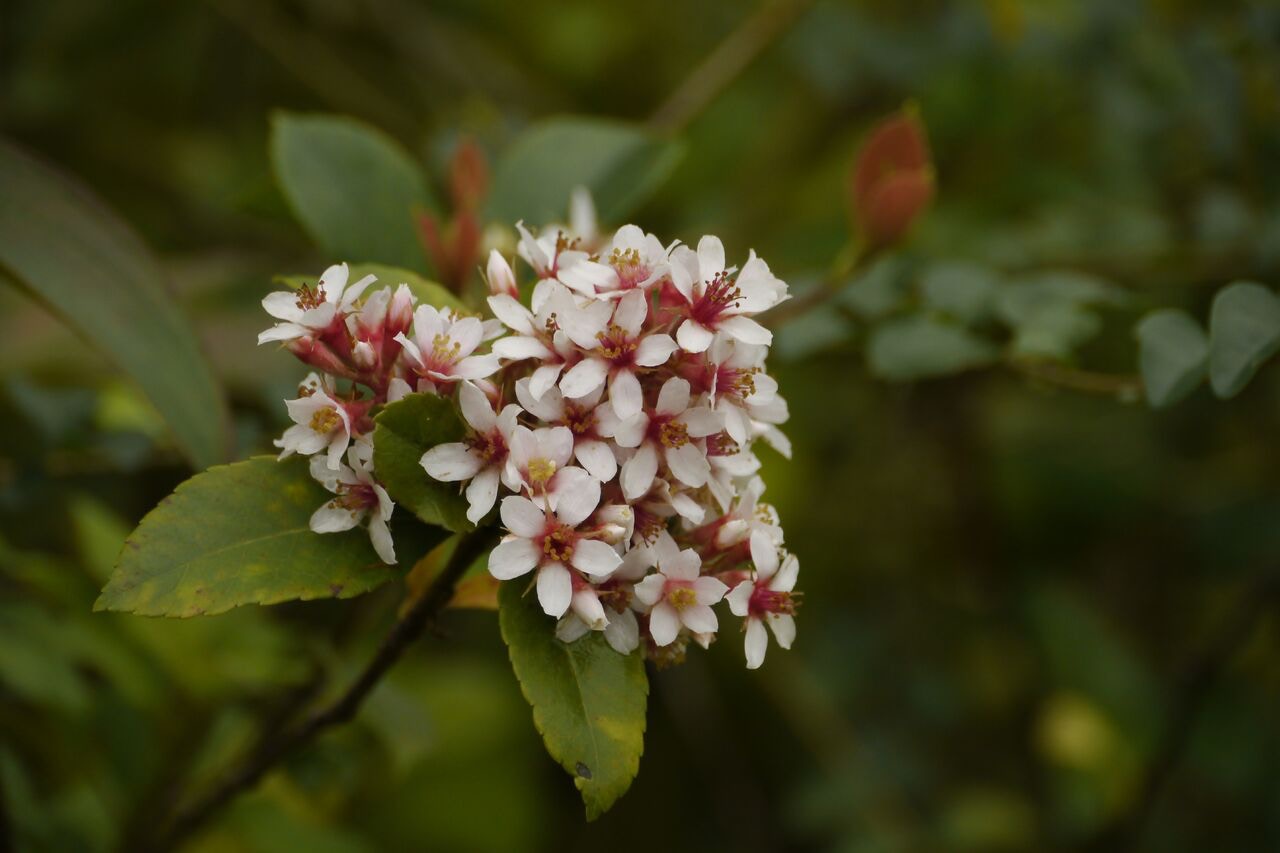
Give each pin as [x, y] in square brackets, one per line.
[132, 544]
[335, 588]
[583, 770]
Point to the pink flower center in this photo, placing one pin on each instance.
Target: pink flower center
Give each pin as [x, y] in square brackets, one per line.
[681, 594]
[764, 600]
[557, 542]
[490, 446]
[719, 295]
[617, 346]
[631, 270]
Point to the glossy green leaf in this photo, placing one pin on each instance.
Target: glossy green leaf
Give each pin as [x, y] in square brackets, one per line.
[60, 244]
[1244, 331]
[351, 186]
[588, 700]
[621, 164]
[1173, 355]
[239, 534]
[920, 347]
[405, 430]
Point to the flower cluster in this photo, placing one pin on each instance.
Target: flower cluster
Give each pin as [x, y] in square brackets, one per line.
[611, 419]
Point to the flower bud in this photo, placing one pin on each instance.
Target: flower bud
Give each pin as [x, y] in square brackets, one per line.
[892, 179]
[500, 276]
[364, 355]
[732, 532]
[400, 312]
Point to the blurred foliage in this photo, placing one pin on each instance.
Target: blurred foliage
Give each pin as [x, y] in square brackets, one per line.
[1011, 590]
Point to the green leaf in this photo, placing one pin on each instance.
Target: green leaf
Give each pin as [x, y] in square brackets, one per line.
[964, 290]
[239, 534]
[1055, 332]
[1173, 355]
[588, 700]
[1050, 314]
[60, 244]
[1244, 331]
[352, 187]
[427, 291]
[621, 164]
[405, 430]
[920, 347]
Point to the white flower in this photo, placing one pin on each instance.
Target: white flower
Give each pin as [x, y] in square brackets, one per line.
[359, 497]
[638, 259]
[499, 276]
[606, 605]
[668, 434]
[740, 389]
[590, 448]
[306, 311]
[320, 423]
[553, 255]
[717, 300]
[536, 333]
[481, 457]
[443, 345]
[538, 464]
[767, 599]
[677, 595]
[614, 352]
[550, 543]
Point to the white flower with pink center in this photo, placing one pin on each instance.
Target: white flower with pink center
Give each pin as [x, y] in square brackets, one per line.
[481, 457]
[320, 422]
[717, 300]
[668, 434]
[358, 497]
[767, 599]
[677, 595]
[538, 465]
[550, 543]
[311, 311]
[638, 259]
[537, 334]
[556, 255]
[591, 450]
[615, 350]
[442, 348]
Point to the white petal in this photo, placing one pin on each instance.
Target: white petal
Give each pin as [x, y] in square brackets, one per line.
[687, 507]
[587, 605]
[700, 619]
[623, 632]
[482, 492]
[522, 517]
[625, 395]
[638, 472]
[746, 330]
[584, 377]
[331, 518]
[674, 396]
[283, 305]
[512, 314]
[664, 624]
[655, 350]
[574, 504]
[710, 257]
[548, 407]
[513, 557]
[477, 366]
[649, 591]
[688, 464]
[555, 589]
[451, 462]
[710, 590]
[380, 536]
[282, 332]
[631, 312]
[764, 554]
[701, 421]
[595, 558]
[739, 598]
[785, 579]
[694, 337]
[597, 458]
[543, 379]
[757, 643]
[570, 629]
[476, 408]
[784, 628]
[519, 347]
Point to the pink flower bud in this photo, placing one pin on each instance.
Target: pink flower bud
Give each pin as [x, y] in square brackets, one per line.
[892, 179]
[501, 278]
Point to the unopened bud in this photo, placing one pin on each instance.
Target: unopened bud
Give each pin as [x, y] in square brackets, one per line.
[732, 532]
[500, 276]
[400, 311]
[892, 179]
[363, 355]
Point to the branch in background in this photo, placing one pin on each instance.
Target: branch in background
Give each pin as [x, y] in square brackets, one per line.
[1193, 692]
[770, 20]
[270, 752]
[1124, 386]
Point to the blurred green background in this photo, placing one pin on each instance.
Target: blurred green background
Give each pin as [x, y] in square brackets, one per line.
[1033, 618]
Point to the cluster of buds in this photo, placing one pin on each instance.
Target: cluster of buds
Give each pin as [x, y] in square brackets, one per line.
[611, 419]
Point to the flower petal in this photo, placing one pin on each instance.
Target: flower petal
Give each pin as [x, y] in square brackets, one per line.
[638, 472]
[674, 396]
[476, 408]
[451, 462]
[578, 496]
[694, 337]
[513, 557]
[522, 516]
[482, 492]
[555, 589]
[700, 619]
[757, 643]
[625, 395]
[595, 558]
[655, 350]
[664, 624]
[584, 377]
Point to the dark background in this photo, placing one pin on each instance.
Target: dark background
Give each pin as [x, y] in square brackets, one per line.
[1033, 618]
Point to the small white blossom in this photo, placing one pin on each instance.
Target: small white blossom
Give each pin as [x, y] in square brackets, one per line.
[307, 311]
[481, 457]
[320, 423]
[358, 497]
[677, 595]
[767, 599]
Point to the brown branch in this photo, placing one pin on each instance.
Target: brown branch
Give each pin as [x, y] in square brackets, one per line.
[739, 49]
[1123, 385]
[272, 751]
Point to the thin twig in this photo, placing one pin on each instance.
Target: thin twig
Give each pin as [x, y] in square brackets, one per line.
[1193, 691]
[271, 752]
[769, 21]
[1123, 385]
